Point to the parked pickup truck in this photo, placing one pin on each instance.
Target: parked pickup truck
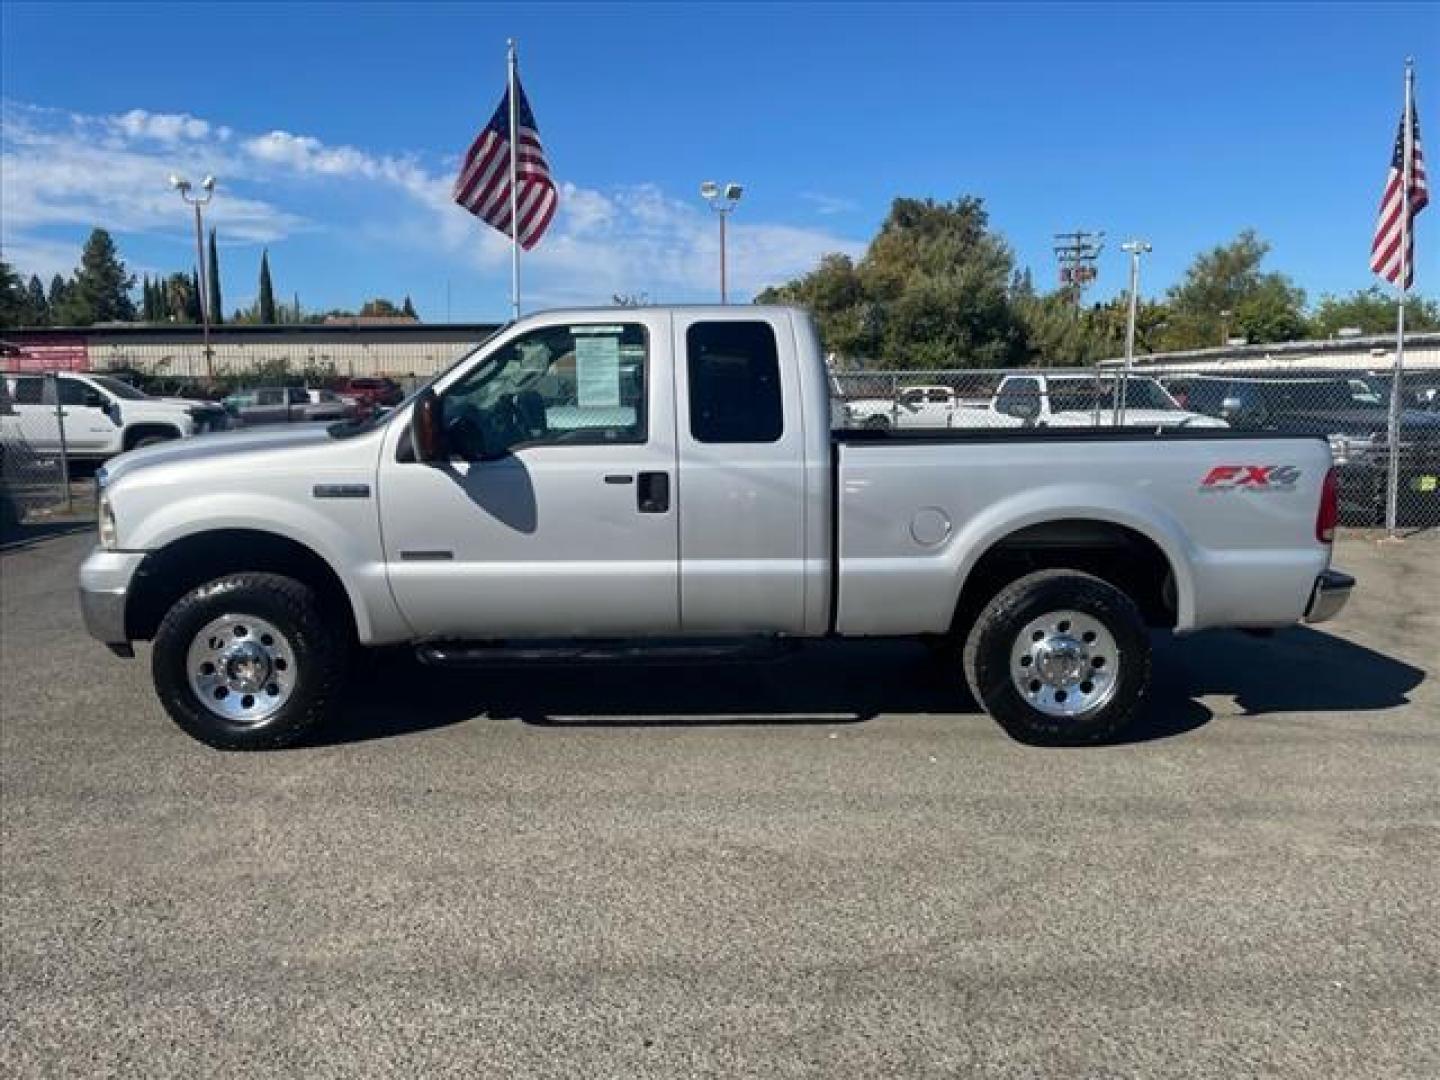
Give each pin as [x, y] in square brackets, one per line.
[915, 406]
[103, 415]
[1089, 400]
[287, 405]
[667, 478]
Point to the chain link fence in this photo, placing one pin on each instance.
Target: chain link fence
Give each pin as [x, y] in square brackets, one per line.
[1350, 408]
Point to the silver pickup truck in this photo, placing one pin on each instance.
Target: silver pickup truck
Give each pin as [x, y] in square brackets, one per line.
[666, 481]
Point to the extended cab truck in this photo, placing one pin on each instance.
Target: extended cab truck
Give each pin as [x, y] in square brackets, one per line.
[103, 415]
[668, 476]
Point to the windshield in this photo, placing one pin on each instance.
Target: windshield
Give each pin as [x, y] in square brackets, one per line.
[118, 387]
[1087, 395]
[344, 429]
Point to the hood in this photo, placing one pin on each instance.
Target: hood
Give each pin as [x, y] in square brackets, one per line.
[227, 444]
[188, 403]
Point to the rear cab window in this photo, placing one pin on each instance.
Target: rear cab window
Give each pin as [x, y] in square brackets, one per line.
[734, 374]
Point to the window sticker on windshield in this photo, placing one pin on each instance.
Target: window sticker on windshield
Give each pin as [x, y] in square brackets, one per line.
[597, 372]
[579, 331]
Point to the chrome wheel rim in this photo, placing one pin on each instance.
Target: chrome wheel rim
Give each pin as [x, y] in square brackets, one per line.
[241, 668]
[1065, 664]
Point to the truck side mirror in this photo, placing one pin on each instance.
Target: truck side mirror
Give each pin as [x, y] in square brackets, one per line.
[426, 428]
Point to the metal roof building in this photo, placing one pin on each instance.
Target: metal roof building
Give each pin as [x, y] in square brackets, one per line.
[359, 347]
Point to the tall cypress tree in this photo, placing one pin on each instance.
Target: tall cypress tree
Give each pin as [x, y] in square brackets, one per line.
[216, 309]
[39, 306]
[267, 291]
[408, 308]
[192, 307]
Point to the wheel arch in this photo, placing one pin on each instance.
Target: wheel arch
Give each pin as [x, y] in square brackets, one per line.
[136, 432]
[1144, 566]
[169, 572]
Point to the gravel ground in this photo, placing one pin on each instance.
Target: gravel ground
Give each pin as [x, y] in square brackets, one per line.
[827, 865]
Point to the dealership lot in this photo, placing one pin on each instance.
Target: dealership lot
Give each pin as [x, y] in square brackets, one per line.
[827, 864]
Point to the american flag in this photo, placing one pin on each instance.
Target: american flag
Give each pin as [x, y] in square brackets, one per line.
[1386, 256]
[483, 186]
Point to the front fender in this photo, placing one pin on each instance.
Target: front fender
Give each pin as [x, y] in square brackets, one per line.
[346, 536]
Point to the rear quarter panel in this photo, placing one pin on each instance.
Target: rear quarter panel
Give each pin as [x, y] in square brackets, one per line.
[915, 517]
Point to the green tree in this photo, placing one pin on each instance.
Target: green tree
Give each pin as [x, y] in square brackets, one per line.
[408, 309]
[102, 284]
[217, 309]
[58, 301]
[14, 300]
[380, 307]
[1372, 311]
[931, 291]
[1228, 279]
[193, 311]
[833, 292]
[39, 306]
[265, 305]
[179, 298]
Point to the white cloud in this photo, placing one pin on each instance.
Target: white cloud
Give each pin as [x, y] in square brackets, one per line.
[74, 170]
[829, 204]
[81, 171]
[164, 127]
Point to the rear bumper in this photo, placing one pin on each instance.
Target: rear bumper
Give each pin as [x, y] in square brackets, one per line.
[105, 578]
[1332, 590]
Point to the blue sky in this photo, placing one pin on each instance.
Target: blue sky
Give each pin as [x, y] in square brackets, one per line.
[335, 131]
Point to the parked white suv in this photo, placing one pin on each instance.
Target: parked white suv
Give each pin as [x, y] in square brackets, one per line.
[103, 415]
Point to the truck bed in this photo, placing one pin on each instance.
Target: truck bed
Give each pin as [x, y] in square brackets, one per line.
[1234, 514]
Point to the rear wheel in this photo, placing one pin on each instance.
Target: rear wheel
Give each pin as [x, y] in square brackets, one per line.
[878, 422]
[1059, 657]
[248, 662]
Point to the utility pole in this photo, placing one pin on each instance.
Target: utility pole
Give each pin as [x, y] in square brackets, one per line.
[1077, 252]
[1133, 248]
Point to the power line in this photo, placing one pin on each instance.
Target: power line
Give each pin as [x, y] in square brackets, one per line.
[1077, 252]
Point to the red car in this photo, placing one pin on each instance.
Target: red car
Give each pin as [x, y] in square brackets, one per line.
[372, 393]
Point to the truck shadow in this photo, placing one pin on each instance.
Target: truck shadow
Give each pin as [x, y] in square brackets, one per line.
[851, 682]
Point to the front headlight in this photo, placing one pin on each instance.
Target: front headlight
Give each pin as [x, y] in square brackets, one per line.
[106, 523]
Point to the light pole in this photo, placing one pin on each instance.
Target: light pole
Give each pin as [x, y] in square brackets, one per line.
[207, 185]
[722, 201]
[1225, 327]
[1135, 248]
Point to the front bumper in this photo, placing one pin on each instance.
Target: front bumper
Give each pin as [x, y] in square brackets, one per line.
[105, 578]
[1332, 590]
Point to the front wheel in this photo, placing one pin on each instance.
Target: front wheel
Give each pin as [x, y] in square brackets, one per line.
[248, 662]
[1059, 657]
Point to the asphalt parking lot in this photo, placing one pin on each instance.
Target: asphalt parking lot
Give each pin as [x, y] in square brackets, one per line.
[827, 865]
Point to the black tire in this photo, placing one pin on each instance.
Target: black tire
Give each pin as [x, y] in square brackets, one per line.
[877, 422]
[992, 641]
[320, 652]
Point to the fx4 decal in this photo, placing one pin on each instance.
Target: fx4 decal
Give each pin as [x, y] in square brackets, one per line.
[1251, 477]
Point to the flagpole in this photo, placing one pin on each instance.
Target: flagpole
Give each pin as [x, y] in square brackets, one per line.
[514, 187]
[1407, 165]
